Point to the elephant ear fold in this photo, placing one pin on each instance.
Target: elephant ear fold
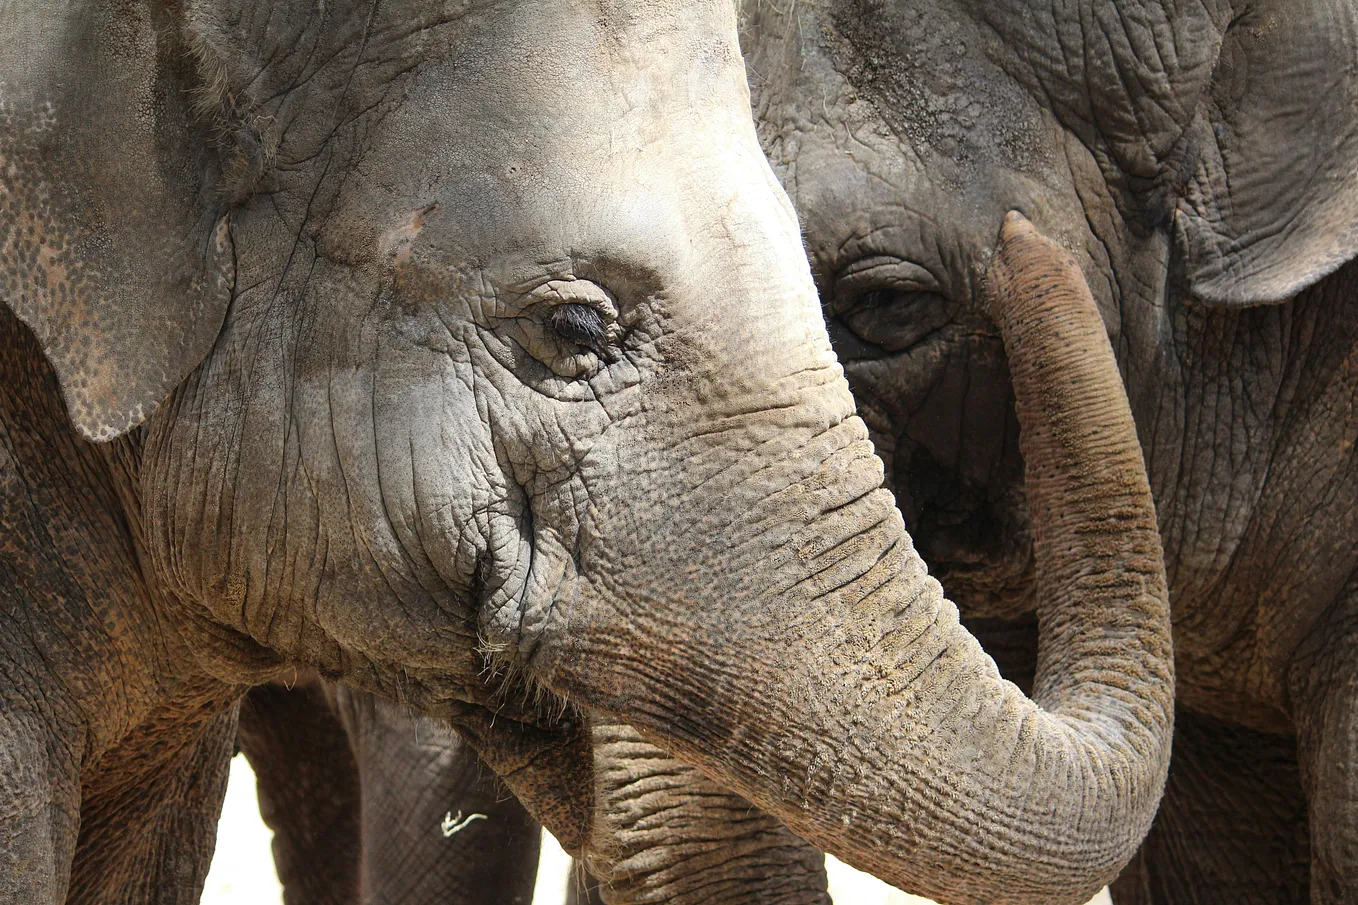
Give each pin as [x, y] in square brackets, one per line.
[1272, 206]
[113, 249]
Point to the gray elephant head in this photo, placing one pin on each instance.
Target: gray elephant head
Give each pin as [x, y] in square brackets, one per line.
[1197, 159]
[475, 333]
[417, 276]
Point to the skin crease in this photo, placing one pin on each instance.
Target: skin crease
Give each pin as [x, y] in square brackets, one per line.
[387, 467]
[902, 130]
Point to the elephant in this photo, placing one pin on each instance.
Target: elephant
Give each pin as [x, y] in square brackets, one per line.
[468, 353]
[354, 788]
[1201, 163]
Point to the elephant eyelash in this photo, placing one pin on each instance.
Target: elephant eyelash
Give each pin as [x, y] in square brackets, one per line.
[583, 325]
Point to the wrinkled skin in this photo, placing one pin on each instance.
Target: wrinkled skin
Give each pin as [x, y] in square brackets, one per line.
[665, 833]
[355, 787]
[468, 353]
[356, 790]
[1200, 162]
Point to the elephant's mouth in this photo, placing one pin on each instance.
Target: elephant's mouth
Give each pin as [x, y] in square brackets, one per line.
[942, 417]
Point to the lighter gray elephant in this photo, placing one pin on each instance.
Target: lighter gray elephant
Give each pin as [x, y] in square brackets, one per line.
[467, 352]
[1200, 160]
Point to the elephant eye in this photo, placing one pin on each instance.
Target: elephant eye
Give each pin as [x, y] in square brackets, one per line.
[875, 299]
[580, 324]
[895, 319]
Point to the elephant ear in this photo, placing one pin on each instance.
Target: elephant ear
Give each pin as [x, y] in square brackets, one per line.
[112, 247]
[1272, 205]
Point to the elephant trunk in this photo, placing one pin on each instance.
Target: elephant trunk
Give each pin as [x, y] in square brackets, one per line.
[664, 832]
[853, 705]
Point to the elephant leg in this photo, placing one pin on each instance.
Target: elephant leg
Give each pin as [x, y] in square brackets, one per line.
[39, 812]
[1325, 706]
[149, 810]
[663, 832]
[437, 825]
[1231, 829]
[307, 783]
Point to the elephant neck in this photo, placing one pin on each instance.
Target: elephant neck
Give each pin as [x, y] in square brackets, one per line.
[89, 644]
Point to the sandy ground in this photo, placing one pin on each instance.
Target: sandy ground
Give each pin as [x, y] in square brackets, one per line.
[242, 871]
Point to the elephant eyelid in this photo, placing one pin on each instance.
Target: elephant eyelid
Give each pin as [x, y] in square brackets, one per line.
[875, 275]
[859, 265]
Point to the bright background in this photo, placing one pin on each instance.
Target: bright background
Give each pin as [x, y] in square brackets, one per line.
[242, 871]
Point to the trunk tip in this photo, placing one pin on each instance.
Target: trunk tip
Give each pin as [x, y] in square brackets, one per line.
[1015, 226]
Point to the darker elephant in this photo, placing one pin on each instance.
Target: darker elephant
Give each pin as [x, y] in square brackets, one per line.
[1201, 162]
[467, 352]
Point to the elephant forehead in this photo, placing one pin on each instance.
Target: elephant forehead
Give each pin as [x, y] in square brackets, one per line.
[928, 68]
[1130, 73]
[532, 127]
[548, 67]
[899, 119]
